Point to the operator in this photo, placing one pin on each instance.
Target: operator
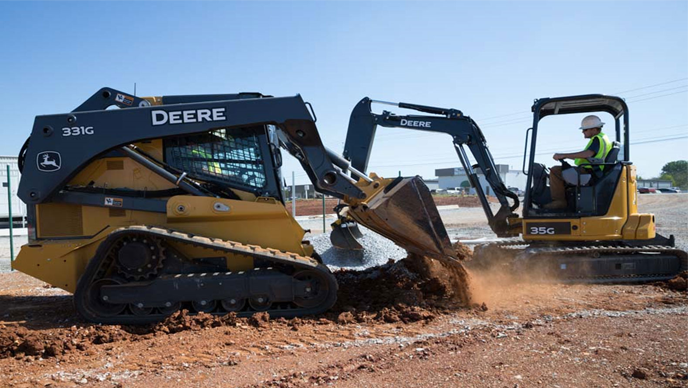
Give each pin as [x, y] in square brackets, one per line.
[212, 165]
[597, 150]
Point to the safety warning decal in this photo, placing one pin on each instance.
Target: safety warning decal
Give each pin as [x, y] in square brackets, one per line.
[114, 202]
[124, 99]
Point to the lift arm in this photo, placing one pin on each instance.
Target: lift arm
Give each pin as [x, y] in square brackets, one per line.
[465, 133]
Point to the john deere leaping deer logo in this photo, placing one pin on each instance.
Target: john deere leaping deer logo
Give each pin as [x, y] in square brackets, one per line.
[49, 161]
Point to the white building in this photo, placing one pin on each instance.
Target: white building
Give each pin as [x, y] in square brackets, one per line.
[433, 184]
[18, 207]
[302, 192]
[449, 178]
[654, 183]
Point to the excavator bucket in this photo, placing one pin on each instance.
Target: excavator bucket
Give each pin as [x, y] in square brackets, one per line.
[345, 235]
[406, 214]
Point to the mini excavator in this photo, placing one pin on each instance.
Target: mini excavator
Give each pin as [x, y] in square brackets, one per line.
[174, 202]
[600, 237]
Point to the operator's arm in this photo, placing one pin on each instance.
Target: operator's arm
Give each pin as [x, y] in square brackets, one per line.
[587, 153]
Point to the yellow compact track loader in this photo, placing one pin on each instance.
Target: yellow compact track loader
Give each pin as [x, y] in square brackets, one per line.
[599, 237]
[176, 201]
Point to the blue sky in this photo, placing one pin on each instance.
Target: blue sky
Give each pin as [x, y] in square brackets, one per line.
[488, 59]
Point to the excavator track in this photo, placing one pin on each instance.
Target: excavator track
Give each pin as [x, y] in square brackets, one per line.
[589, 263]
[281, 284]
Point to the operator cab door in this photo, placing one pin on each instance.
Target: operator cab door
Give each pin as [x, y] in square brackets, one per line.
[560, 133]
[229, 159]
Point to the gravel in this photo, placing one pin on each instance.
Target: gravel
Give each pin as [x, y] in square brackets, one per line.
[5, 250]
[377, 250]
[671, 215]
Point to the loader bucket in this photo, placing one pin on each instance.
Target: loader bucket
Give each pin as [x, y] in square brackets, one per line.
[345, 235]
[406, 214]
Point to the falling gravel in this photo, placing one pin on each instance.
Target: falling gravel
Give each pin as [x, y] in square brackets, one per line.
[377, 250]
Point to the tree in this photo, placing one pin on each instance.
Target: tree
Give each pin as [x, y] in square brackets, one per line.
[678, 170]
[668, 177]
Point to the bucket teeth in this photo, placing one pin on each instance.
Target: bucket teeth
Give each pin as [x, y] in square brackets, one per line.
[344, 235]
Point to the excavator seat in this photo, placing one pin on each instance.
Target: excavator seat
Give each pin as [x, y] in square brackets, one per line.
[540, 192]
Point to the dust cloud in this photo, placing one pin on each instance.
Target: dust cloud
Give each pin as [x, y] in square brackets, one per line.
[497, 281]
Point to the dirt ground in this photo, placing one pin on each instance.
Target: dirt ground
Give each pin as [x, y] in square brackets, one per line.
[400, 325]
[313, 207]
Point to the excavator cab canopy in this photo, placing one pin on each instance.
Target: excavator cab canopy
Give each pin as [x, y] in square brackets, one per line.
[589, 103]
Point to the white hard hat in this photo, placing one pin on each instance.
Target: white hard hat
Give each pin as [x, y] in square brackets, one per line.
[591, 121]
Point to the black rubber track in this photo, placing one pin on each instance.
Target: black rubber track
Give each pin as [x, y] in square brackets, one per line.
[101, 265]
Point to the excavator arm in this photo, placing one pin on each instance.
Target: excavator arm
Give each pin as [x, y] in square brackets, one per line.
[465, 133]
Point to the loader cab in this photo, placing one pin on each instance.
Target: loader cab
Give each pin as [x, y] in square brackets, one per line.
[246, 159]
[591, 196]
[230, 159]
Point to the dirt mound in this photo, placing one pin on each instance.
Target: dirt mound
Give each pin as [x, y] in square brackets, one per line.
[412, 289]
[679, 283]
[463, 252]
[19, 341]
[260, 320]
[182, 320]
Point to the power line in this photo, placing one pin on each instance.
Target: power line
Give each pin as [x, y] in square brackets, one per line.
[523, 120]
[652, 86]
[660, 140]
[506, 115]
[662, 128]
[513, 122]
[663, 95]
[658, 91]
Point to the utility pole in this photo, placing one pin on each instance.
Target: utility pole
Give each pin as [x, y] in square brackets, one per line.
[9, 207]
[293, 194]
[323, 212]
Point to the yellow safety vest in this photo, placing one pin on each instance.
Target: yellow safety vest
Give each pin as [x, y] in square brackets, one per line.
[602, 152]
[212, 166]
